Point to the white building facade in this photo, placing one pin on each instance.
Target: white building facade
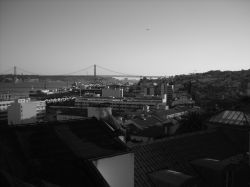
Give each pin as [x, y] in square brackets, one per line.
[26, 111]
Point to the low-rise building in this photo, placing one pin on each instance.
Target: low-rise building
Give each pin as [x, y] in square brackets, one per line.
[4, 109]
[176, 112]
[112, 92]
[5, 97]
[26, 111]
[118, 105]
[183, 100]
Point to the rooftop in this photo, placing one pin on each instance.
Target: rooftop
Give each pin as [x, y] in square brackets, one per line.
[176, 154]
[231, 118]
[57, 153]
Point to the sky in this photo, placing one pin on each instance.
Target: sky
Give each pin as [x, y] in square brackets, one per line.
[137, 37]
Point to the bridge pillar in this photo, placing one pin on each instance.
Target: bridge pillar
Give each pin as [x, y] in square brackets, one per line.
[94, 70]
[15, 75]
[15, 71]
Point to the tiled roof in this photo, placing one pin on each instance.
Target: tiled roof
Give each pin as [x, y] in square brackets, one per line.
[147, 127]
[176, 154]
[148, 122]
[163, 113]
[231, 118]
[58, 153]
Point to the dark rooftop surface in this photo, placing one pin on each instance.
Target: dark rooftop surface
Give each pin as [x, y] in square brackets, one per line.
[147, 122]
[176, 154]
[56, 153]
[231, 118]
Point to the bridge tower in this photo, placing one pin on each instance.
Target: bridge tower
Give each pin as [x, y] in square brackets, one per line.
[14, 71]
[95, 71]
[15, 75]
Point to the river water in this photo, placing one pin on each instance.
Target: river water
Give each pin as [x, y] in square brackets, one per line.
[22, 88]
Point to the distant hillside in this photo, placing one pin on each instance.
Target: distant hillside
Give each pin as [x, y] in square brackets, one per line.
[234, 75]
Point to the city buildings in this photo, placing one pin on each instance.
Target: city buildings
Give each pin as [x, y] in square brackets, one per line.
[118, 105]
[23, 111]
[112, 92]
[6, 96]
[169, 91]
[176, 112]
[4, 105]
[4, 111]
[183, 100]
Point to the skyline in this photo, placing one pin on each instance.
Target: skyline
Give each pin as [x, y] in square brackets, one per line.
[149, 37]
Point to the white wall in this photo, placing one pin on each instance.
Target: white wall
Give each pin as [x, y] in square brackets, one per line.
[28, 114]
[118, 171]
[21, 113]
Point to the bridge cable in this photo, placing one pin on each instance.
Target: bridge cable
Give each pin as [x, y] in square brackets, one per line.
[115, 71]
[4, 72]
[78, 70]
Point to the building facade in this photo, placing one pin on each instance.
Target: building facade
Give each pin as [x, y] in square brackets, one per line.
[26, 111]
[118, 105]
[109, 92]
[169, 91]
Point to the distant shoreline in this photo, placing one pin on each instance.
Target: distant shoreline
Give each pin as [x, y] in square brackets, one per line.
[23, 88]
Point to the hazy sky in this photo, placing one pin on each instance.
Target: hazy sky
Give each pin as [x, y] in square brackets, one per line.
[145, 37]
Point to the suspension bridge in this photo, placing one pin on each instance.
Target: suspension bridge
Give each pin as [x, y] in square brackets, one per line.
[98, 71]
